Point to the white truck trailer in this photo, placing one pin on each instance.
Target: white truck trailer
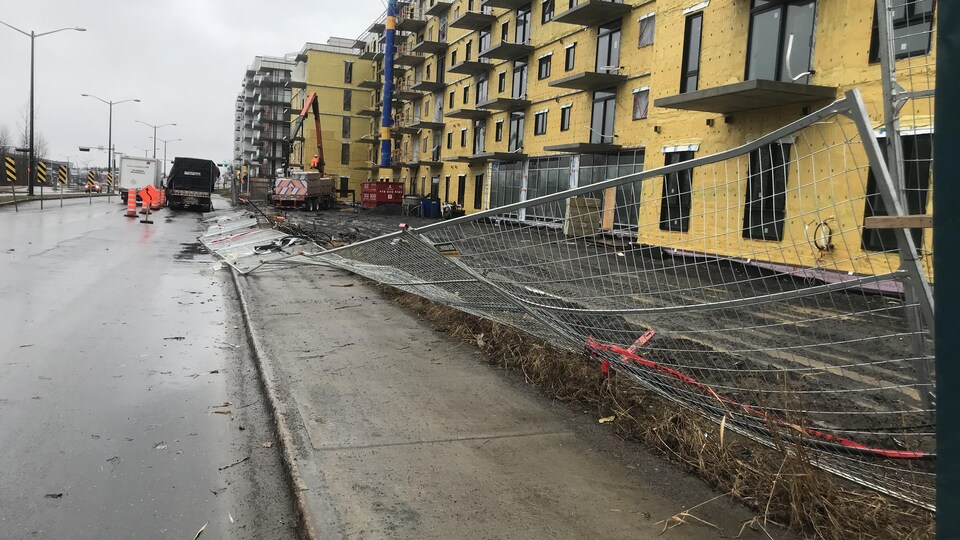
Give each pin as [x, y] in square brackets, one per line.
[137, 173]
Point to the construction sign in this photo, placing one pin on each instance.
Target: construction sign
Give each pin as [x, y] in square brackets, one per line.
[11, 168]
[62, 174]
[41, 172]
[91, 177]
[110, 178]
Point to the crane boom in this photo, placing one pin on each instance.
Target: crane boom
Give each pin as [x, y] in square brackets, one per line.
[310, 103]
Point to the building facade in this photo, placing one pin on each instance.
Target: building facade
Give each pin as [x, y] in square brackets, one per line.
[501, 101]
[262, 116]
[335, 72]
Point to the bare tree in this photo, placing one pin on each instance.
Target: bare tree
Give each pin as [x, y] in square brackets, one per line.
[40, 146]
[5, 140]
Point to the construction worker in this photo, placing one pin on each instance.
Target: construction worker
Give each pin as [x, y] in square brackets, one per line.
[315, 162]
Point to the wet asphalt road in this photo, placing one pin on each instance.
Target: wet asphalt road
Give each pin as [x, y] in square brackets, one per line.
[126, 385]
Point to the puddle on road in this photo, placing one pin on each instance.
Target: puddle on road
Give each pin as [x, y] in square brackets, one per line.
[189, 250]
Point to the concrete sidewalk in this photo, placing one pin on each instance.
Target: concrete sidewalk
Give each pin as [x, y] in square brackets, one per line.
[403, 432]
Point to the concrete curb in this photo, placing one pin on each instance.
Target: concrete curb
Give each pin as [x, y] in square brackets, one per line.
[306, 527]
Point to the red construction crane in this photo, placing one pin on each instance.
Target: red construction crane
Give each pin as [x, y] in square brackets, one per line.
[311, 102]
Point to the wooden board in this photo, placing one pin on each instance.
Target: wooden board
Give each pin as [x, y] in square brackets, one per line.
[924, 221]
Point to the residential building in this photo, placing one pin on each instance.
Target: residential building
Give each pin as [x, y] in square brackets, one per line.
[336, 73]
[262, 117]
[504, 100]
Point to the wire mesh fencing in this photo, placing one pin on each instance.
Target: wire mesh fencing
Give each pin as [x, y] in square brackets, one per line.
[747, 290]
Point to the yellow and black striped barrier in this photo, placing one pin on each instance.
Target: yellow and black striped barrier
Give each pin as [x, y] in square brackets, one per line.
[62, 174]
[11, 169]
[91, 178]
[41, 172]
[109, 178]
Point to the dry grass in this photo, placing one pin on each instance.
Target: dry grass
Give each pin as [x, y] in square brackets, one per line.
[781, 486]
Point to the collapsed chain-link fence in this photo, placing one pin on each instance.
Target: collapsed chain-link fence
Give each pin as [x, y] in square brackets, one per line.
[749, 290]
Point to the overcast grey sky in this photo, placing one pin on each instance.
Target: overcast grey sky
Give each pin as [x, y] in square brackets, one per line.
[184, 59]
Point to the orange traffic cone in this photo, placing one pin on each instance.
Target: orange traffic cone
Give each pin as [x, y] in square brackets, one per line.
[131, 203]
[155, 203]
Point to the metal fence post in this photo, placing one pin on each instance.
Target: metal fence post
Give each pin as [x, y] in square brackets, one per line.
[947, 292]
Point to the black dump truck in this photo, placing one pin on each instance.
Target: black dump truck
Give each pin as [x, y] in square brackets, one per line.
[191, 182]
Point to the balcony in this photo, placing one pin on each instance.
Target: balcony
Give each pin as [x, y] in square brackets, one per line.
[437, 8]
[407, 57]
[483, 157]
[411, 23]
[470, 67]
[473, 20]
[589, 80]
[371, 111]
[298, 84]
[429, 47]
[429, 86]
[371, 55]
[404, 94]
[468, 114]
[508, 51]
[506, 104]
[583, 148]
[399, 130]
[593, 12]
[505, 4]
[369, 138]
[377, 27]
[747, 96]
[371, 84]
[427, 124]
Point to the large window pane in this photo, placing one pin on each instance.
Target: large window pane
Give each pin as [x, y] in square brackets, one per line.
[762, 56]
[797, 41]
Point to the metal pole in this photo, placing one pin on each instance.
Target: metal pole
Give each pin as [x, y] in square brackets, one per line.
[164, 159]
[946, 200]
[110, 149]
[33, 38]
[386, 120]
[154, 143]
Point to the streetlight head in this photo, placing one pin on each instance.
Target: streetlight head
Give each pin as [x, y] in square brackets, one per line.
[85, 95]
[137, 100]
[80, 29]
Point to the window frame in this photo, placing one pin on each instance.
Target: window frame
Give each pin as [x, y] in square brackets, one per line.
[682, 199]
[772, 176]
[565, 112]
[463, 137]
[781, 6]
[347, 99]
[546, 15]
[685, 71]
[540, 122]
[569, 57]
[345, 153]
[643, 91]
[914, 182]
[498, 131]
[347, 72]
[647, 21]
[911, 18]
[544, 66]
[478, 191]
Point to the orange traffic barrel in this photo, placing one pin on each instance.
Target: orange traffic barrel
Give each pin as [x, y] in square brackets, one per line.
[131, 203]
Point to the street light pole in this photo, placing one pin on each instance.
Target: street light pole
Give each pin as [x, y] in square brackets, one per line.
[110, 104]
[31, 169]
[155, 127]
[165, 153]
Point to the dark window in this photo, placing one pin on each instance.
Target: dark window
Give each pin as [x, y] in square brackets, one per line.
[608, 48]
[345, 153]
[505, 32]
[917, 158]
[766, 200]
[346, 127]
[453, 58]
[519, 79]
[461, 189]
[564, 118]
[479, 136]
[449, 140]
[463, 136]
[502, 82]
[546, 13]
[435, 187]
[523, 24]
[484, 40]
[781, 40]
[450, 104]
[540, 123]
[446, 189]
[601, 123]
[690, 73]
[481, 93]
[647, 31]
[912, 28]
[466, 95]
[478, 192]
[675, 202]
[467, 54]
[344, 186]
[515, 143]
[641, 103]
[498, 131]
[543, 67]
[347, 99]
[348, 72]
[569, 56]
